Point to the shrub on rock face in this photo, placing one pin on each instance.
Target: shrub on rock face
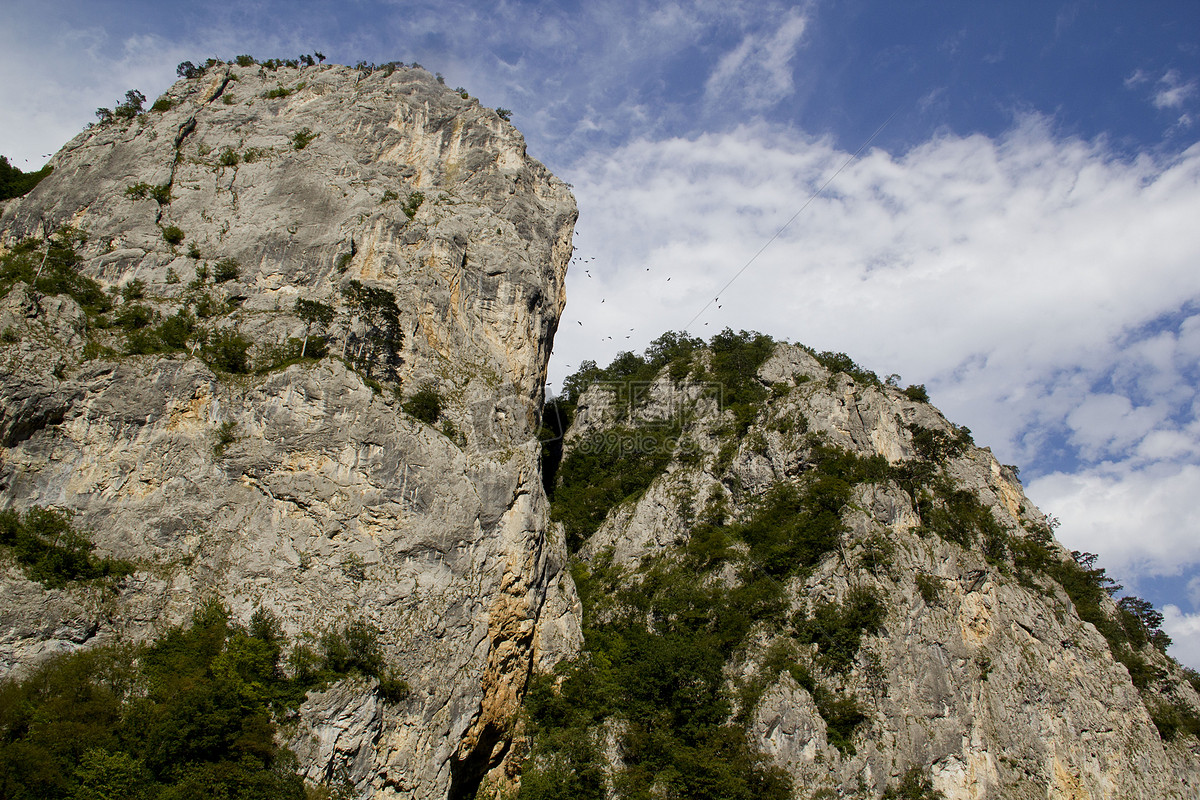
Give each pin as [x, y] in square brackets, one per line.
[302, 138]
[173, 234]
[227, 269]
[425, 405]
[227, 351]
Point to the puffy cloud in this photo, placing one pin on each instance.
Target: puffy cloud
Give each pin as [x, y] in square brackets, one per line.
[1184, 630]
[1042, 287]
[1141, 521]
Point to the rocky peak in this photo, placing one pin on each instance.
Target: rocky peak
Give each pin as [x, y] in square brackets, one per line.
[304, 374]
[848, 596]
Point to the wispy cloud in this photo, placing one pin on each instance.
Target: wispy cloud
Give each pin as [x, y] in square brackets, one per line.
[1172, 91]
[757, 73]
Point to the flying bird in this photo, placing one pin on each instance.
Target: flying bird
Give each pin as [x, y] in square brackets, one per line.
[579, 322]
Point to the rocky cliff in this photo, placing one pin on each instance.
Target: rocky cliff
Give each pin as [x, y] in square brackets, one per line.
[280, 342]
[796, 575]
[183, 421]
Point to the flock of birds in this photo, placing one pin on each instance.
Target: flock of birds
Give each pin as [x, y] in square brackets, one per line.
[580, 261]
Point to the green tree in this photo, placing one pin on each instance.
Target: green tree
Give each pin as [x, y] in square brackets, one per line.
[376, 309]
[227, 350]
[14, 182]
[313, 312]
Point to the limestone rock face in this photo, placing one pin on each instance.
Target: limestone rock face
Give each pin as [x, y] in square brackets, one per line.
[306, 489]
[983, 678]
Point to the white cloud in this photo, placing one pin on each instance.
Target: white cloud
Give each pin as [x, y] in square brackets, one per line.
[1173, 91]
[758, 72]
[59, 71]
[1137, 78]
[1143, 522]
[1040, 287]
[1184, 630]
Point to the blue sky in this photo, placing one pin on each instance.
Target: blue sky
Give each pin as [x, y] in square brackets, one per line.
[1020, 236]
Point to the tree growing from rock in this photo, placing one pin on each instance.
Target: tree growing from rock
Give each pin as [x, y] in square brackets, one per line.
[376, 309]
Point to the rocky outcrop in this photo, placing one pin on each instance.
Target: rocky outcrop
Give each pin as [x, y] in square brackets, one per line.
[306, 489]
[981, 676]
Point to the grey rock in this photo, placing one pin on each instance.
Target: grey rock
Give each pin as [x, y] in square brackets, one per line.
[303, 490]
[995, 689]
[336, 733]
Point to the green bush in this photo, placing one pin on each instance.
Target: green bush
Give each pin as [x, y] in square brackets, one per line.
[177, 330]
[192, 714]
[917, 393]
[161, 193]
[605, 470]
[425, 405]
[53, 268]
[840, 362]
[15, 183]
[228, 157]
[663, 683]
[411, 205]
[226, 350]
[51, 551]
[914, 785]
[133, 290]
[376, 308]
[302, 138]
[313, 312]
[227, 269]
[933, 445]
[163, 103]
[134, 317]
[173, 234]
[837, 629]
[930, 588]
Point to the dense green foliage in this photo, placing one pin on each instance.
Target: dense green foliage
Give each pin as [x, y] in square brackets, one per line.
[840, 362]
[657, 641]
[914, 785]
[227, 269]
[228, 351]
[51, 551]
[14, 182]
[413, 203]
[606, 470]
[664, 682]
[837, 629]
[192, 715]
[53, 268]
[610, 468]
[425, 404]
[379, 314]
[630, 370]
[733, 365]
